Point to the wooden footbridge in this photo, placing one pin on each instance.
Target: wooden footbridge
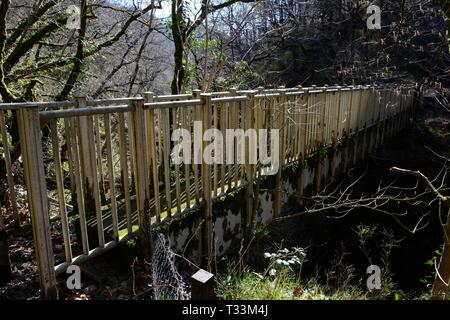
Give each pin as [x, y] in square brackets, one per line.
[100, 171]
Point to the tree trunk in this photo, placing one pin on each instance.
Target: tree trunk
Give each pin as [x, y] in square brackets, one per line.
[441, 289]
[5, 265]
[178, 30]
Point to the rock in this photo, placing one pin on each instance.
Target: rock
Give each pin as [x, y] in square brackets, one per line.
[91, 289]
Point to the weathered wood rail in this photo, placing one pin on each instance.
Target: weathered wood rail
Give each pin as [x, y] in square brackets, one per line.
[108, 162]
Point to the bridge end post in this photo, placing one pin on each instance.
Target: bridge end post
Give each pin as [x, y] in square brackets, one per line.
[139, 158]
[31, 144]
[208, 230]
[202, 286]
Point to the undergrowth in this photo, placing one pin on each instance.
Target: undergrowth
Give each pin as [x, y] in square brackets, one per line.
[281, 278]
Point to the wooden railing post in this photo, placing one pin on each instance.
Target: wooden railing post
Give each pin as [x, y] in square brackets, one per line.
[233, 168]
[259, 124]
[400, 111]
[208, 230]
[348, 130]
[249, 113]
[335, 131]
[320, 139]
[391, 114]
[363, 123]
[202, 286]
[197, 117]
[357, 138]
[380, 123]
[33, 163]
[280, 123]
[152, 156]
[304, 109]
[84, 146]
[141, 174]
[372, 130]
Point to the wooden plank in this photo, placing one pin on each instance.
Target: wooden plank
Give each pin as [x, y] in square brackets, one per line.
[187, 174]
[377, 116]
[296, 116]
[303, 124]
[335, 131]
[349, 128]
[82, 111]
[95, 183]
[175, 125]
[131, 144]
[60, 190]
[356, 127]
[321, 117]
[321, 132]
[30, 137]
[9, 174]
[84, 146]
[166, 159]
[215, 118]
[280, 118]
[160, 129]
[112, 186]
[249, 168]
[141, 176]
[233, 169]
[257, 115]
[124, 169]
[70, 158]
[153, 155]
[79, 187]
[309, 120]
[32, 105]
[197, 181]
[98, 141]
[288, 129]
[172, 104]
[337, 105]
[148, 98]
[206, 185]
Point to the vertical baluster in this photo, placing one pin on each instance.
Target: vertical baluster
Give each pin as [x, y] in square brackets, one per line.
[60, 190]
[124, 169]
[175, 125]
[112, 180]
[79, 187]
[166, 155]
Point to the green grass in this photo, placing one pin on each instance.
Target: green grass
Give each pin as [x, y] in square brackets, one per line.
[253, 286]
[249, 285]
[124, 232]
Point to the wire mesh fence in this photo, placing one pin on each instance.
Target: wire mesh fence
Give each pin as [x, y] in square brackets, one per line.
[168, 283]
